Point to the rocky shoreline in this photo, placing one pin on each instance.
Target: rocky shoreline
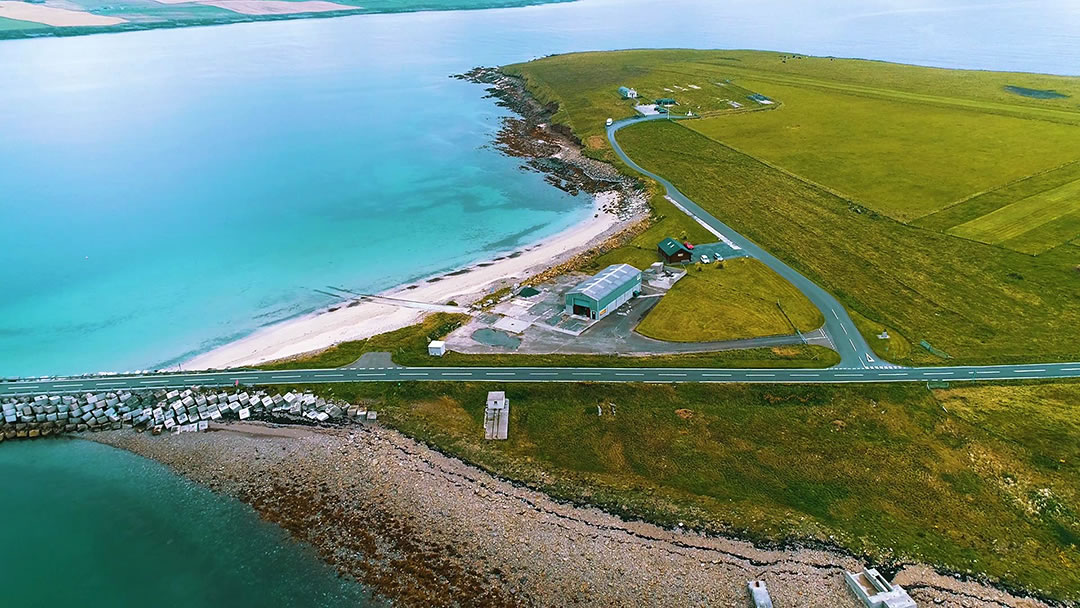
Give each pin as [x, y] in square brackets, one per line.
[425, 529]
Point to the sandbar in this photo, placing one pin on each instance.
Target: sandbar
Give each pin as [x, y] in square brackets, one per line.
[56, 17]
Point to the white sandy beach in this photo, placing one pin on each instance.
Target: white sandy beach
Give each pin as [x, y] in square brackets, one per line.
[325, 328]
[54, 16]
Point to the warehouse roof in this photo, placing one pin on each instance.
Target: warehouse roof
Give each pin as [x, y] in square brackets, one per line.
[606, 281]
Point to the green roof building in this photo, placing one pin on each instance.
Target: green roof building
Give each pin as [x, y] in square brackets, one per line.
[673, 251]
[600, 295]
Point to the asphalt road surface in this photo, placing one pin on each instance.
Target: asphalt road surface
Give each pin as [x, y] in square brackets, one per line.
[538, 374]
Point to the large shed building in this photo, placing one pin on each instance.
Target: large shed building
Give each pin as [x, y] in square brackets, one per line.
[602, 293]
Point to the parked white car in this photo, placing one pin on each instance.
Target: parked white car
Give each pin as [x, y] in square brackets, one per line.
[610, 122]
[719, 258]
[704, 259]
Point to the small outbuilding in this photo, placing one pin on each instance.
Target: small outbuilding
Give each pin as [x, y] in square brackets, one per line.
[875, 592]
[496, 415]
[436, 348]
[673, 251]
[627, 93]
[601, 294]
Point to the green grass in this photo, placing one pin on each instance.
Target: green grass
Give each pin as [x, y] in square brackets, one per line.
[7, 24]
[738, 300]
[977, 302]
[666, 221]
[408, 346]
[981, 478]
[980, 303]
[1031, 225]
[897, 157]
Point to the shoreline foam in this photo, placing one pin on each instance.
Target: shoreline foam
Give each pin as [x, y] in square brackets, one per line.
[324, 328]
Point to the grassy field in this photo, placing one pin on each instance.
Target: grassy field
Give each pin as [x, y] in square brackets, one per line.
[983, 478]
[641, 251]
[902, 159]
[737, 300]
[408, 346]
[977, 302]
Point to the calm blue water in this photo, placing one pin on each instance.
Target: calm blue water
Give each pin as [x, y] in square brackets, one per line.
[88, 525]
[164, 192]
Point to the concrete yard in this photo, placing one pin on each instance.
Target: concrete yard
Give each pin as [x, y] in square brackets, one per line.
[538, 325]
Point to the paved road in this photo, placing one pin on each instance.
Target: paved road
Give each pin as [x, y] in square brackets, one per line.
[846, 339]
[540, 374]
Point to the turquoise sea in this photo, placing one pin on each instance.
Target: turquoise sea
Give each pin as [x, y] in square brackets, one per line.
[89, 525]
[164, 192]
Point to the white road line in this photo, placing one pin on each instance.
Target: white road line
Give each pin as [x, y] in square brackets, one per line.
[617, 374]
[369, 375]
[989, 372]
[329, 375]
[849, 375]
[457, 373]
[673, 375]
[414, 374]
[68, 385]
[1029, 371]
[542, 374]
[586, 373]
[833, 311]
[28, 386]
[805, 375]
[1070, 369]
[499, 373]
[844, 327]
[716, 375]
[284, 377]
[896, 374]
[939, 373]
[153, 381]
[760, 375]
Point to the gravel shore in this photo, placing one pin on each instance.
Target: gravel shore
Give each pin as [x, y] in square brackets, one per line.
[424, 529]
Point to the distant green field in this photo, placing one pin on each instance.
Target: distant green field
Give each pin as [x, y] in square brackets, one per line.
[919, 140]
[14, 24]
[729, 303]
[898, 157]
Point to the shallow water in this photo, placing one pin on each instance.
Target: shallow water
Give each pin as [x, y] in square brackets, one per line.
[167, 191]
[89, 525]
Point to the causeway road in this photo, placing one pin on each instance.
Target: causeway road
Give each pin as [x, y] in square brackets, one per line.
[841, 330]
[537, 374]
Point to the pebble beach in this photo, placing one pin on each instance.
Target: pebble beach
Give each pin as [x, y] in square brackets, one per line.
[425, 529]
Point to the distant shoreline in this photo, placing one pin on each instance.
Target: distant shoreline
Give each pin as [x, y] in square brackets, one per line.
[40, 30]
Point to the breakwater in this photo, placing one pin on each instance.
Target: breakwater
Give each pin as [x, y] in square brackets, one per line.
[158, 411]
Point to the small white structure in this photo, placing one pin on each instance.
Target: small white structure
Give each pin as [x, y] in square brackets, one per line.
[759, 594]
[875, 592]
[436, 348]
[496, 415]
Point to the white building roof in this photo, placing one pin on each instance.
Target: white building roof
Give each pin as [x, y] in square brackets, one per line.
[606, 281]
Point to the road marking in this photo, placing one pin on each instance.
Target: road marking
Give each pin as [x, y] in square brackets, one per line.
[457, 373]
[499, 373]
[844, 327]
[284, 377]
[989, 372]
[833, 311]
[805, 375]
[542, 374]
[1070, 369]
[673, 375]
[852, 343]
[760, 375]
[67, 385]
[369, 375]
[111, 383]
[849, 375]
[329, 375]
[586, 373]
[717, 375]
[28, 386]
[939, 373]
[414, 374]
[1029, 371]
[896, 374]
[153, 381]
[617, 374]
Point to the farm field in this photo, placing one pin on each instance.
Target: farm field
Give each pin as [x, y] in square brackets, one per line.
[976, 302]
[736, 301]
[982, 478]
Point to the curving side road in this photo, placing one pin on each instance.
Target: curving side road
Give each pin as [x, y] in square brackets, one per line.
[846, 339]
